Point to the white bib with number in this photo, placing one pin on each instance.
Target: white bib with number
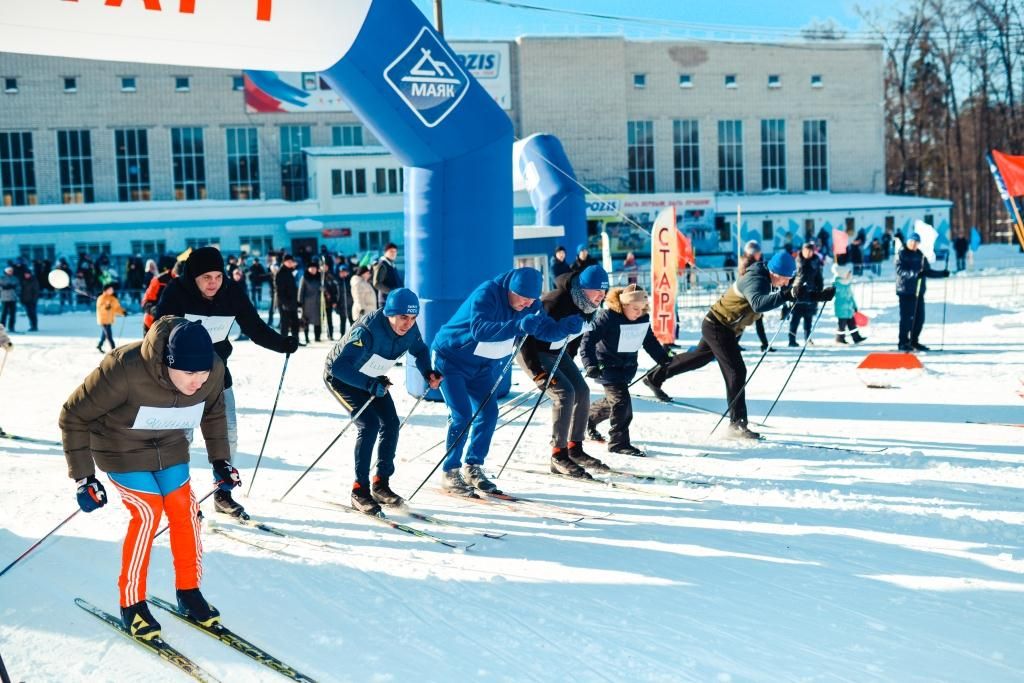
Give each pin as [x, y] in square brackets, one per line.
[377, 366]
[494, 350]
[169, 418]
[631, 337]
[217, 325]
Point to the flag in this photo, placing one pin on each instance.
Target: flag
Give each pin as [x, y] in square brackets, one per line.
[685, 247]
[928, 236]
[664, 281]
[1015, 167]
[840, 242]
[975, 239]
[1012, 169]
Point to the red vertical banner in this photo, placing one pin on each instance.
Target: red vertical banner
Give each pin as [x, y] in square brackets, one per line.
[664, 281]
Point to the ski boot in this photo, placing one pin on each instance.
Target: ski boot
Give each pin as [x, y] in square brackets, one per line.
[792, 341]
[739, 430]
[628, 449]
[593, 434]
[561, 464]
[382, 493]
[475, 477]
[453, 483]
[362, 500]
[225, 504]
[857, 339]
[193, 604]
[918, 346]
[139, 623]
[657, 391]
[584, 460]
[840, 339]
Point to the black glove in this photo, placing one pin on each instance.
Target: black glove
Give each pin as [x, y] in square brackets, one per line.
[378, 387]
[291, 344]
[795, 290]
[225, 475]
[788, 294]
[826, 294]
[91, 494]
[594, 372]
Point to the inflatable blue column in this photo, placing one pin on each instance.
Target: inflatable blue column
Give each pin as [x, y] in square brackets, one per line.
[554, 192]
[405, 84]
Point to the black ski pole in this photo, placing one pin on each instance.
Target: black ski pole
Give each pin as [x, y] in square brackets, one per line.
[414, 406]
[487, 399]
[764, 353]
[945, 291]
[4, 676]
[37, 543]
[543, 392]
[344, 429]
[168, 526]
[270, 423]
[793, 369]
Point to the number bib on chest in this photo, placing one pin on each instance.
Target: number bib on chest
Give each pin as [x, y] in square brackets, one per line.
[494, 350]
[217, 325]
[377, 366]
[149, 417]
[631, 337]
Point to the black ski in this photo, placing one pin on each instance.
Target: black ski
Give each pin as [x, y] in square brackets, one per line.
[570, 512]
[657, 478]
[381, 518]
[430, 519]
[769, 439]
[614, 485]
[235, 642]
[28, 439]
[157, 646]
[505, 502]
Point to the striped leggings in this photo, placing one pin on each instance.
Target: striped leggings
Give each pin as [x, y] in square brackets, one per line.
[147, 495]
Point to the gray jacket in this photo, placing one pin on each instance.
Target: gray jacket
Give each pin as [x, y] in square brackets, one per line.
[8, 288]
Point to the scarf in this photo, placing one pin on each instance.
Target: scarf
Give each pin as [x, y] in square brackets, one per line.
[580, 299]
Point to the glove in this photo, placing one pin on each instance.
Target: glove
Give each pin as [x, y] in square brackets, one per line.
[572, 325]
[788, 294]
[795, 290]
[225, 475]
[433, 378]
[378, 388]
[530, 324]
[541, 377]
[291, 344]
[91, 494]
[594, 372]
[826, 294]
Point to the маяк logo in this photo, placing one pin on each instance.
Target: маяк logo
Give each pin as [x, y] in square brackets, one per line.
[428, 78]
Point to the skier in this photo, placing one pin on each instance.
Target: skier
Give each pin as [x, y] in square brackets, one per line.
[844, 304]
[287, 294]
[912, 268]
[385, 274]
[107, 307]
[750, 297]
[309, 301]
[751, 253]
[203, 292]
[809, 283]
[471, 349]
[126, 420]
[364, 299]
[356, 372]
[575, 294]
[609, 353]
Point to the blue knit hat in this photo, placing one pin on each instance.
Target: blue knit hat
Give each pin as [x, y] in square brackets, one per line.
[782, 264]
[914, 236]
[582, 246]
[189, 348]
[402, 301]
[526, 282]
[594, 277]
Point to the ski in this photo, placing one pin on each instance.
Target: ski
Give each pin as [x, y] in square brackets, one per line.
[502, 502]
[381, 518]
[28, 439]
[430, 519]
[767, 439]
[235, 642]
[995, 424]
[571, 512]
[614, 485]
[657, 478]
[157, 646]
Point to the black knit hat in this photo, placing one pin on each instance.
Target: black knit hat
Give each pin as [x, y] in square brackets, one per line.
[189, 348]
[204, 260]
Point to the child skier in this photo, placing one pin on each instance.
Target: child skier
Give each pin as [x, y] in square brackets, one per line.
[844, 304]
[107, 306]
[609, 354]
[128, 418]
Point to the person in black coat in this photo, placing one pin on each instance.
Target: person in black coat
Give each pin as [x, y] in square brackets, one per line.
[559, 266]
[202, 292]
[809, 282]
[287, 292]
[609, 353]
[911, 270]
[960, 247]
[583, 259]
[385, 274]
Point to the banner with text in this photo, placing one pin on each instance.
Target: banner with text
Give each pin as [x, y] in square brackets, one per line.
[664, 281]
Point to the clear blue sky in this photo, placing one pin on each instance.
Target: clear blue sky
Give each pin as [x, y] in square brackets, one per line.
[722, 19]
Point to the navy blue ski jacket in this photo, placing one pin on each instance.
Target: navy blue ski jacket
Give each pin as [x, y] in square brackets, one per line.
[911, 266]
[600, 346]
[373, 335]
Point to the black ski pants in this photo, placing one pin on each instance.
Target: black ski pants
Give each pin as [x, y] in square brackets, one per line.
[380, 418]
[911, 318]
[618, 405]
[9, 313]
[720, 343]
[759, 327]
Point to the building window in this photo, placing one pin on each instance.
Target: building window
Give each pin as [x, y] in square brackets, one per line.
[74, 161]
[816, 81]
[256, 245]
[639, 81]
[685, 81]
[200, 242]
[293, 163]
[816, 155]
[131, 151]
[70, 84]
[389, 181]
[348, 182]
[730, 80]
[149, 248]
[640, 148]
[189, 163]
[686, 154]
[243, 164]
[773, 154]
[92, 249]
[373, 240]
[128, 83]
[37, 252]
[237, 83]
[730, 156]
[17, 169]
[349, 135]
[10, 85]
[182, 83]
[767, 230]
[774, 81]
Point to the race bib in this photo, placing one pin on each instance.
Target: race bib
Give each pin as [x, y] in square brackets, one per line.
[217, 325]
[556, 345]
[494, 350]
[169, 418]
[377, 366]
[631, 337]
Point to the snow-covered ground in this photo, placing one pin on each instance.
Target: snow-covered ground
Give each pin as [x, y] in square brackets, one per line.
[899, 559]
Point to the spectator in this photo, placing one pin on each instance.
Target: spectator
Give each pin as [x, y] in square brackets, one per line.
[9, 286]
[385, 274]
[558, 264]
[960, 248]
[30, 299]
